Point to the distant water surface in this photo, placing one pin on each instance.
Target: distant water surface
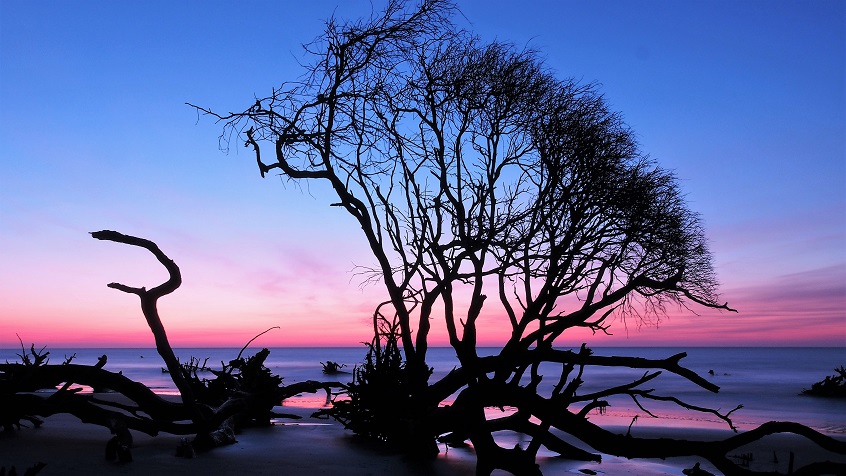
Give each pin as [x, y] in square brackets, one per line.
[767, 381]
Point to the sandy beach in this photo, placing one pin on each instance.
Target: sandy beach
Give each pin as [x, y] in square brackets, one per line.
[312, 446]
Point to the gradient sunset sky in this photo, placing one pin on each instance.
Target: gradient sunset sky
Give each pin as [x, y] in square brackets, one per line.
[744, 100]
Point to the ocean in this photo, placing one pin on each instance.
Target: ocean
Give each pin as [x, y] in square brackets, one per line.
[767, 381]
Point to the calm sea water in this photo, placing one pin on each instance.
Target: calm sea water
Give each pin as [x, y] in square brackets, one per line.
[767, 381]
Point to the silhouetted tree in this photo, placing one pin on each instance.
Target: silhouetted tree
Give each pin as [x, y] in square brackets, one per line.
[485, 185]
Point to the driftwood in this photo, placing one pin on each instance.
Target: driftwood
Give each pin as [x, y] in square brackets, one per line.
[832, 386]
[149, 300]
[242, 393]
[330, 367]
[566, 412]
[381, 409]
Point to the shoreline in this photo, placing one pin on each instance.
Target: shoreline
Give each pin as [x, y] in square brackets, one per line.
[312, 446]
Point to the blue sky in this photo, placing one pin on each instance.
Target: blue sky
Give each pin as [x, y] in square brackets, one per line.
[745, 101]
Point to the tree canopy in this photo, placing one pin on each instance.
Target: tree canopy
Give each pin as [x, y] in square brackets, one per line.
[473, 170]
[485, 185]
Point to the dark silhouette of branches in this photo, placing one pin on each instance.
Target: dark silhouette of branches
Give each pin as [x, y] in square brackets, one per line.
[149, 299]
[485, 186]
[243, 392]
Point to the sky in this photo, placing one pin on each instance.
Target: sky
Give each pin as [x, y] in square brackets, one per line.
[744, 101]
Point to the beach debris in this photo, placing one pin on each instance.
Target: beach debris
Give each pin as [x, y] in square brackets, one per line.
[454, 440]
[31, 471]
[331, 367]
[192, 367]
[118, 447]
[697, 471]
[39, 357]
[832, 386]
[222, 436]
[743, 459]
[185, 449]
[629, 430]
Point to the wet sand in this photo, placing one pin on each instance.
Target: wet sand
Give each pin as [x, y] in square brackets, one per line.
[311, 447]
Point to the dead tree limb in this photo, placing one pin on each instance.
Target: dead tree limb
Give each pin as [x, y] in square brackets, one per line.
[149, 299]
[243, 392]
[21, 378]
[548, 411]
[145, 411]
